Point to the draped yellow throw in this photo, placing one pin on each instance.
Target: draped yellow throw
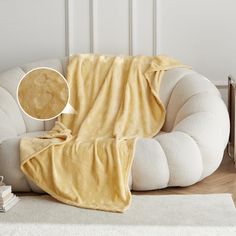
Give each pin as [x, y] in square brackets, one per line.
[85, 159]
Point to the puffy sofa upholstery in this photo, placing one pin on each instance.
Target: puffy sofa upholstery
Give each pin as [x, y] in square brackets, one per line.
[189, 147]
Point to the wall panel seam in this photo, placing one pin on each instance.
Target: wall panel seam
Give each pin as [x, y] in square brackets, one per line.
[154, 29]
[92, 16]
[130, 27]
[68, 27]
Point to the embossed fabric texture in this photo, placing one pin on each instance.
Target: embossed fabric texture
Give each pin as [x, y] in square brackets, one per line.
[43, 93]
[85, 159]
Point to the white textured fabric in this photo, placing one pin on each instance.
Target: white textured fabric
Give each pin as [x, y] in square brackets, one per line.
[148, 215]
[10, 164]
[189, 148]
[9, 81]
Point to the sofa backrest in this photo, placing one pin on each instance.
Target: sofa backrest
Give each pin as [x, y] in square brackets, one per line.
[14, 121]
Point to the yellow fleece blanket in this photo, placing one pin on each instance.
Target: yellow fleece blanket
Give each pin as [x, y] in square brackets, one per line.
[48, 92]
[85, 159]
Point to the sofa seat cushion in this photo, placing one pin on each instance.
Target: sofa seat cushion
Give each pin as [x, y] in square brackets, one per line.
[149, 171]
[10, 164]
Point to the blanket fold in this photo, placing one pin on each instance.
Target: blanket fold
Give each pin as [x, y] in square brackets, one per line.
[85, 159]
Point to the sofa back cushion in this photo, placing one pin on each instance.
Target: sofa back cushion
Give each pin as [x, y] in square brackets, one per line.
[14, 121]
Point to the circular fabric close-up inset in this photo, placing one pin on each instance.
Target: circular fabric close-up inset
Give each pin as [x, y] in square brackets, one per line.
[43, 93]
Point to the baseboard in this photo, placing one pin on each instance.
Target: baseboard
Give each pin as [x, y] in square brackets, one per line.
[220, 83]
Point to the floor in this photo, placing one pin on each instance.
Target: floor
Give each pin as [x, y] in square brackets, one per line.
[222, 180]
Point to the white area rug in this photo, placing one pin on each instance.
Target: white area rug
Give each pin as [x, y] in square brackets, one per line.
[212, 214]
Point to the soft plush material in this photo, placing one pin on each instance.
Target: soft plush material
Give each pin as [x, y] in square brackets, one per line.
[189, 147]
[43, 93]
[85, 159]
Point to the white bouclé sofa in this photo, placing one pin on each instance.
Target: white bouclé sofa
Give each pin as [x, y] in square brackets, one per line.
[189, 147]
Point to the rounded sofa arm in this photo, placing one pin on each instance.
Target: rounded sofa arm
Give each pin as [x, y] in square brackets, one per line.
[200, 113]
[193, 139]
[11, 122]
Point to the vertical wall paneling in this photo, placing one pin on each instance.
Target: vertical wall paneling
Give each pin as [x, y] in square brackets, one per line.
[200, 33]
[143, 27]
[154, 31]
[31, 31]
[92, 24]
[112, 27]
[158, 28]
[82, 26]
[188, 30]
[130, 27]
[68, 27]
